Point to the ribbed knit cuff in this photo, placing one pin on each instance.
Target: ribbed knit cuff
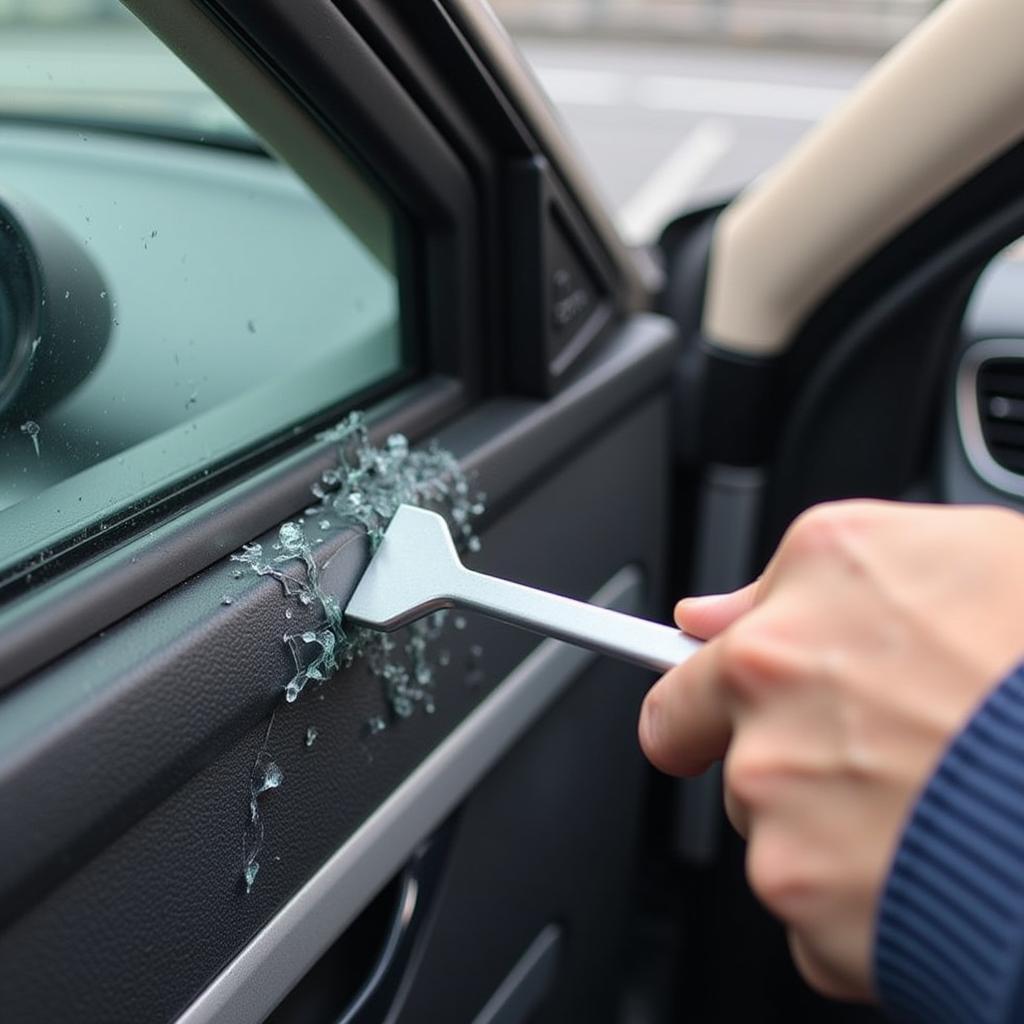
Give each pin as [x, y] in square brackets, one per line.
[949, 945]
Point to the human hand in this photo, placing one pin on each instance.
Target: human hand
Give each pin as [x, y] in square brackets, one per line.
[832, 686]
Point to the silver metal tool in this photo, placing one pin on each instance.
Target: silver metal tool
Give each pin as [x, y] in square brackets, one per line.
[416, 571]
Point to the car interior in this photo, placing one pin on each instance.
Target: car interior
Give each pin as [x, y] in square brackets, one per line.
[321, 258]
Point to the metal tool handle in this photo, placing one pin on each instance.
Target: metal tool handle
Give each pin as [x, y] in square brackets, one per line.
[645, 643]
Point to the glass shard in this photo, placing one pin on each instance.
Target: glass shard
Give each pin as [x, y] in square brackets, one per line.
[265, 775]
[363, 492]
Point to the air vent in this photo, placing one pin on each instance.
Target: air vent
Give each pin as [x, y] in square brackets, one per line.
[990, 410]
[1000, 397]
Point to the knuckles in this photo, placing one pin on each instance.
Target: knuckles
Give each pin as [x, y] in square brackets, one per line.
[827, 529]
[775, 878]
[754, 656]
[748, 772]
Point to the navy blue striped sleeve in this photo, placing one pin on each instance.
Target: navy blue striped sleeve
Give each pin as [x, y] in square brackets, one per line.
[949, 942]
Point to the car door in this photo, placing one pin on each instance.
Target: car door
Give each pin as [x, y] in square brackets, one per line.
[208, 813]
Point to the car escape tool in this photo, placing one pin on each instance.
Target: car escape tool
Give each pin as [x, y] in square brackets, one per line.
[416, 571]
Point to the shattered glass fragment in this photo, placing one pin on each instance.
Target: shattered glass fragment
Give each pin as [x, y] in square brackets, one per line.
[364, 491]
[249, 874]
[272, 778]
[318, 669]
[264, 775]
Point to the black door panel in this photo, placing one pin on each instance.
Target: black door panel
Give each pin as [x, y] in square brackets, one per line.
[127, 763]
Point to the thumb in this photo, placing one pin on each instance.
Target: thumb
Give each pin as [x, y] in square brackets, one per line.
[704, 617]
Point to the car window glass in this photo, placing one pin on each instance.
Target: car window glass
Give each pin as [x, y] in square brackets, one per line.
[171, 295]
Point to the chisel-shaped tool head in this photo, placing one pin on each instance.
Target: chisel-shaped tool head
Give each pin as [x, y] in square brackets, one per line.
[411, 575]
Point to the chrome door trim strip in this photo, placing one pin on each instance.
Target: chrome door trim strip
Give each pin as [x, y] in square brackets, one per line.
[292, 941]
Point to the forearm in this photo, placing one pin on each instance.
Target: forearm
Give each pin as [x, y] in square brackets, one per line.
[949, 944]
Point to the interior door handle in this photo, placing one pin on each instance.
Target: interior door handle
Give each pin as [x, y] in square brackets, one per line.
[417, 570]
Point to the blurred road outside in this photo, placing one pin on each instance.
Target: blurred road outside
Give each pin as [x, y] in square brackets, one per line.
[667, 127]
[677, 104]
[872, 25]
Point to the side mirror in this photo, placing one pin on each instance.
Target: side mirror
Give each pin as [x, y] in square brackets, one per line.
[55, 311]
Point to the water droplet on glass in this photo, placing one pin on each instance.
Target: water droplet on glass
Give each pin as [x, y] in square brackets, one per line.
[31, 429]
[459, 622]
[226, 600]
[311, 735]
